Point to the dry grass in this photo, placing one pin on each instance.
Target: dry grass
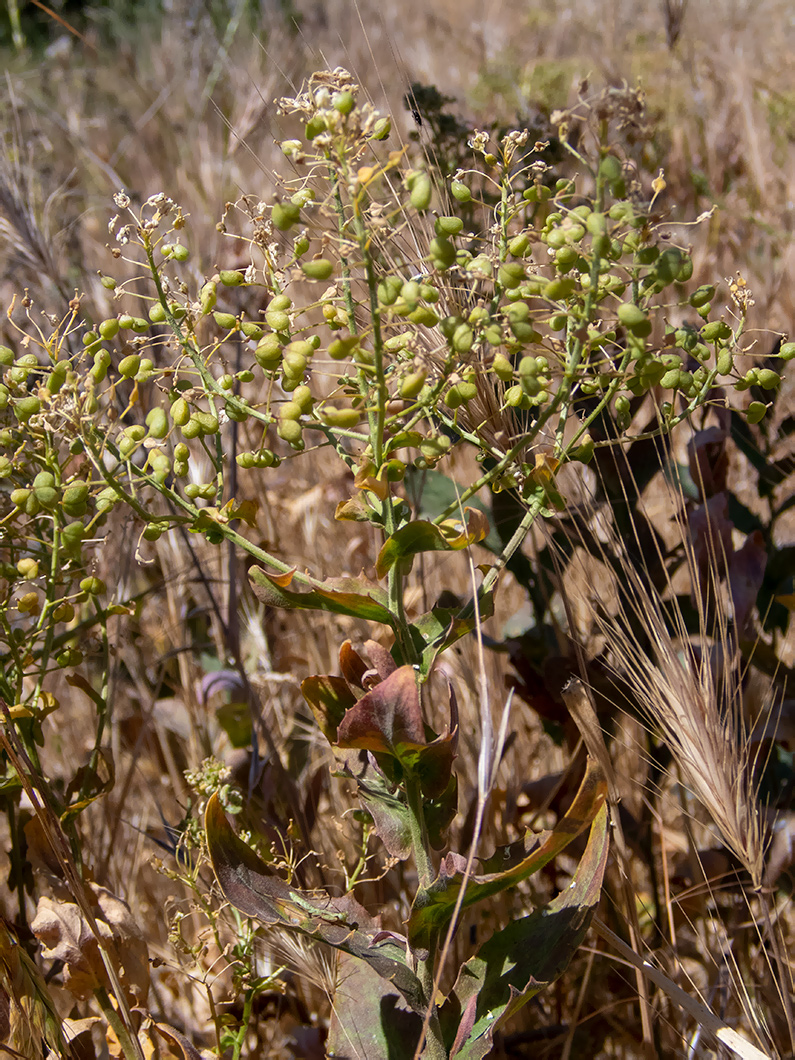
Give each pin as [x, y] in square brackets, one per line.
[80, 125]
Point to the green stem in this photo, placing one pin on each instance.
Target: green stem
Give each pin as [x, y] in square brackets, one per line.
[130, 1047]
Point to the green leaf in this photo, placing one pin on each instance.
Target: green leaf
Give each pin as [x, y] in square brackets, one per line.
[250, 885]
[329, 698]
[434, 905]
[421, 536]
[523, 958]
[339, 596]
[388, 720]
[369, 1018]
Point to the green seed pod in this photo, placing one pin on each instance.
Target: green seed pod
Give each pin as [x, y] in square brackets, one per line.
[519, 245]
[157, 422]
[382, 129]
[389, 290]
[208, 297]
[208, 423]
[106, 499]
[493, 335]
[294, 366]
[725, 363]
[226, 321]
[139, 325]
[511, 274]
[453, 398]
[158, 461]
[32, 505]
[514, 396]
[596, 223]
[343, 102]
[421, 190]
[424, 316]
[19, 496]
[442, 253]
[191, 429]
[29, 604]
[756, 411]
[302, 396]
[93, 586]
[768, 379]
[129, 365]
[72, 535]
[319, 269]
[702, 296]
[252, 330]
[232, 278]
[669, 265]
[565, 258]
[180, 412]
[57, 377]
[634, 319]
[180, 253]
[75, 495]
[245, 460]
[524, 332]
[502, 368]
[145, 371]
[787, 351]
[558, 321]
[126, 321]
[460, 191]
[556, 238]
[560, 289]
[69, 657]
[715, 331]
[463, 338]
[181, 451]
[290, 410]
[448, 226]
[109, 328]
[26, 407]
[108, 283]
[290, 431]
[277, 319]
[157, 314]
[285, 215]
[101, 365]
[346, 419]
[181, 468]
[127, 446]
[412, 384]
[268, 353]
[610, 169]
[340, 349]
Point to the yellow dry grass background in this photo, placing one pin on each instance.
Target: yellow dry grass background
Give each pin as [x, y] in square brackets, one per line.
[167, 108]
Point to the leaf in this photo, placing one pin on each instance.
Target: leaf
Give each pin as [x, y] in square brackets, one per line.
[434, 905]
[387, 718]
[338, 596]
[527, 955]
[441, 627]
[746, 575]
[421, 536]
[65, 935]
[89, 784]
[432, 493]
[175, 1037]
[369, 1017]
[249, 884]
[329, 698]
